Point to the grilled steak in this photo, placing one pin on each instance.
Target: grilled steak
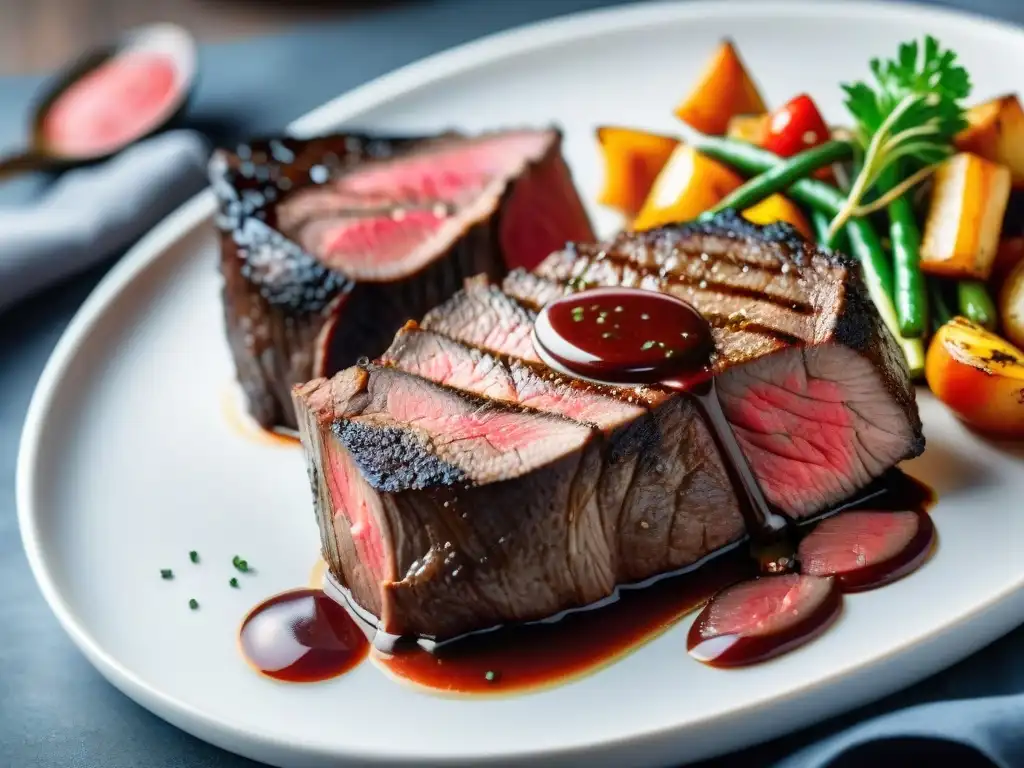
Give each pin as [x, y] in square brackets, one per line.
[460, 484]
[329, 245]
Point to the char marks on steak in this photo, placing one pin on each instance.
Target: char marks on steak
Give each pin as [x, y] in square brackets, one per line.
[328, 245]
[563, 489]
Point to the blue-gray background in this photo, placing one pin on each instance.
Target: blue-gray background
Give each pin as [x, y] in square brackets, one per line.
[55, 709]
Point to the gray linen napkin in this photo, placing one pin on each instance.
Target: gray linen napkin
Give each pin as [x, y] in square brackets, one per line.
[93, 213]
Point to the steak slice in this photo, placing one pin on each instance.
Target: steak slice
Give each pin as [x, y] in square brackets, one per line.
[328, 245]
[814, 387]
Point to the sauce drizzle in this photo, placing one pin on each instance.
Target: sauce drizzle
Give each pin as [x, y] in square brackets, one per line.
[755, 608]
[634, 336]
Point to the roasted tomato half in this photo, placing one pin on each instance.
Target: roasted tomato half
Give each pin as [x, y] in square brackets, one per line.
[979, 376]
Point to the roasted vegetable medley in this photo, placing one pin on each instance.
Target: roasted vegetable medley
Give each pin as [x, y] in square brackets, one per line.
[924, 189]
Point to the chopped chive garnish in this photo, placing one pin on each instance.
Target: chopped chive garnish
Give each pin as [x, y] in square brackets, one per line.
[490, 676]
[193, 603]
[166, 573]
[193, 556]
[647, 345]
[577, 314]
[233, 582]
[240, 564]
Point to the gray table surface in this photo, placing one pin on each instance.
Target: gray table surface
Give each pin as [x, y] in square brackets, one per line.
[55, 709]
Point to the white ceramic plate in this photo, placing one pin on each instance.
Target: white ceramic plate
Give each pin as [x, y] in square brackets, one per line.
[129, 461]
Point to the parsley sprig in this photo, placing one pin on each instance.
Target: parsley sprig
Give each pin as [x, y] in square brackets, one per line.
[910, 113]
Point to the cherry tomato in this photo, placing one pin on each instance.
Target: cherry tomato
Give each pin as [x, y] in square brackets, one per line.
[794, 127]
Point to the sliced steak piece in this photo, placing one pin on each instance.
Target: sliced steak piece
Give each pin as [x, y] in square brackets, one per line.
[823, 403]
[419, 487]
[446, 361]
[329, 245]
[865, 549]
[762, 618]
[628, 484]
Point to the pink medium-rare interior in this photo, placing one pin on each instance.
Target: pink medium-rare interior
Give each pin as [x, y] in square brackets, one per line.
[362, 242]
[543, 215]
[448, 362]
[388, 218]
[359, 506]
[488, 431]
[453, 172]
[765, 606]
[802, 415]
[856, 539]
[391, 216]
[407, 425]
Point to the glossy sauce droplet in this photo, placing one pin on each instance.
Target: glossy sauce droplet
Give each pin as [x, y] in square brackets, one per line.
[302, 636]
[866, 549]
[759, 619]
[625, 336]
[631, 336]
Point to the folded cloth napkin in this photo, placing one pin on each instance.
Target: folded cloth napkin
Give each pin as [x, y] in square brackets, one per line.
[93, 213]
[989, 727]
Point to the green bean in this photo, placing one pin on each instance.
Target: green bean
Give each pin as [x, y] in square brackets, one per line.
[750, 160]
[814, 194]
[782, 175]
[975, 303]
[908, 282]
[821, 221]
[865, 245]
[941, 313]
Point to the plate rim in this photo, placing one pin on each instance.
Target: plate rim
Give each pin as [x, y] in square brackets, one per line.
[187, 219]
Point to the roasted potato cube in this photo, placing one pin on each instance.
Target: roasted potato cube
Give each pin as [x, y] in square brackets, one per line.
[965, 217]
[724, 90]
[996, 133]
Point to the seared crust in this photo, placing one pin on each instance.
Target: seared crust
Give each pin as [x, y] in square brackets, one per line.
[289, 317]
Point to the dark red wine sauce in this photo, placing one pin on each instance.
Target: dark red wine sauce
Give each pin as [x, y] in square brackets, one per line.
[532, 656]
[633, 336]
[302, 636]
[755, 608]
[536, 655]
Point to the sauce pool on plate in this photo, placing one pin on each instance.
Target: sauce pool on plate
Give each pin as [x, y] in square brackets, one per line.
[302, 636]
[635, 336]
[757, 604]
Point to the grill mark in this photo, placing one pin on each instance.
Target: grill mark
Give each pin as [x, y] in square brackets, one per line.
[671, 277]
[662, 241]
[625, 395]
[726, 323]
[715, 320]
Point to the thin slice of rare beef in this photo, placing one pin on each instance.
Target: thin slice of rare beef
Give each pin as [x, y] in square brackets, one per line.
[328, 245]
[460, 484]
